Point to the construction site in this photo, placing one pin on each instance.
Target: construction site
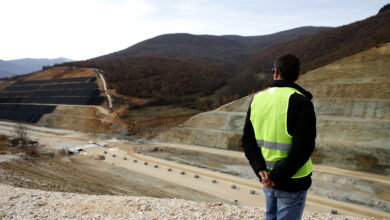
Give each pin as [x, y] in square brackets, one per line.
[86, 147]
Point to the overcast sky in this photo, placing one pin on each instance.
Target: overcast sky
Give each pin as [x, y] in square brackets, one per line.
[82, 29]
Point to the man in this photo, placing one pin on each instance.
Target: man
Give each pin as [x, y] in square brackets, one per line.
[279, 137]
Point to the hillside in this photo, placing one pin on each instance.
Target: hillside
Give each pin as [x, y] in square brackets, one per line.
[209, 48]
[185, 70]
[314, 51]
[163, 80]
[328, 46]
[352, 100]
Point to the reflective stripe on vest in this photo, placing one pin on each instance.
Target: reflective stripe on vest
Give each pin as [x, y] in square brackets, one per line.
[269, 120]
[273, 145]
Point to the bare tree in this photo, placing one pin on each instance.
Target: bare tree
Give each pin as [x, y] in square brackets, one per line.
[24, 143]
[21, 134]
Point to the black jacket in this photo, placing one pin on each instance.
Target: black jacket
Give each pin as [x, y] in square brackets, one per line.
[301, 124]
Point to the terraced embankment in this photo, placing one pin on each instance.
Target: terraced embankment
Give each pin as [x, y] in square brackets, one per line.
[352, 101]
[61, 97]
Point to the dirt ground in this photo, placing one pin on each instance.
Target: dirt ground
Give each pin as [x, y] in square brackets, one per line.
[224, 164]
[153, 112]
[79, 174]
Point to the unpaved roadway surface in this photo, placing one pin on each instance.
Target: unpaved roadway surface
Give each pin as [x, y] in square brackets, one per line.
[86, 175]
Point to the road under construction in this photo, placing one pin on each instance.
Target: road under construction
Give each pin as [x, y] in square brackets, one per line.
[237, 190]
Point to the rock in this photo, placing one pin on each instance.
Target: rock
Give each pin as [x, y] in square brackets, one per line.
[144, 208]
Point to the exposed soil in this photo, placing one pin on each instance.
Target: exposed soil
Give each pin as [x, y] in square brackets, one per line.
[78, 174]
[59, 72]
[152, 112]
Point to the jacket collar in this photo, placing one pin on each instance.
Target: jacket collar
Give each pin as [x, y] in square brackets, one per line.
[284, 83]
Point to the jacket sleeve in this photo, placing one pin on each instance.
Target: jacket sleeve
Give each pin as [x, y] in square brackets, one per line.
[302, 127]
[252, 151]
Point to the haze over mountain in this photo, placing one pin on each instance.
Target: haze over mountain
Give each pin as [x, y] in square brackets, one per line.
[26, 65]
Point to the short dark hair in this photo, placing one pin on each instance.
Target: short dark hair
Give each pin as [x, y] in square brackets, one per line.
[288, 67]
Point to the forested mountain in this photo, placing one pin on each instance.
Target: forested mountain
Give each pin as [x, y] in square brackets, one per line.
[184, 69]
[330, 45]
[314, 51]
[164, 80]
[227, 51]
[209, 70]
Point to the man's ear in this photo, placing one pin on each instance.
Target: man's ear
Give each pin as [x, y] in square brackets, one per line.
[276, 74]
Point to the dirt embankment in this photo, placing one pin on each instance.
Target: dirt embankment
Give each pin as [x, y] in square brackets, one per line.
[88, 176]
[58, 73]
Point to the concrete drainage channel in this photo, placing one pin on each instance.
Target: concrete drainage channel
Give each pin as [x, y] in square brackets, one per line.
[235, 189]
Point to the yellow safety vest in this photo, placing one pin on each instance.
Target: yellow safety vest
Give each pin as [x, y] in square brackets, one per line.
[269, 121]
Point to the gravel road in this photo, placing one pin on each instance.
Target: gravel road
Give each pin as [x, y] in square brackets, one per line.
[21, 203]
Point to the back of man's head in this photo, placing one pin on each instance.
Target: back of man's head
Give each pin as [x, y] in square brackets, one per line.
[288, 66]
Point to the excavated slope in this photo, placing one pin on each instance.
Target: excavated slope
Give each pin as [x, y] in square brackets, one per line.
[82, 118]
[221, 128]
[352, 103]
